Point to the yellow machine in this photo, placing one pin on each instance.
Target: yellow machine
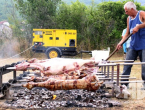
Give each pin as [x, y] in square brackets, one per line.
[55, 42]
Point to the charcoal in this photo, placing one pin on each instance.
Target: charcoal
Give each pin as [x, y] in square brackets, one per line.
[110, 104]
[69, 104]
[43, 99]
[78, 97]
[12, 81]
[90, 105]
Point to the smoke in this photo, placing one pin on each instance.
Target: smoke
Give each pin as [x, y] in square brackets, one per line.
[9, 48]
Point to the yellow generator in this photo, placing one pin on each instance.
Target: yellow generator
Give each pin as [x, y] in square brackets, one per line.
[55, 42]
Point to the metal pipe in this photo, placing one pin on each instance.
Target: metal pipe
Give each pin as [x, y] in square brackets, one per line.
[121, 61]
[104, 70]
[112, 82]
[112, 78]
[108, 71]
[115, 64]
[118, 70]
[14, 74]
[116, 78]
[1, 79]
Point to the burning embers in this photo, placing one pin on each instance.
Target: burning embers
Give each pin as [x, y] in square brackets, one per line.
[43, 98]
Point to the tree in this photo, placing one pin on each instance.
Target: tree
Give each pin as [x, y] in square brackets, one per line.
[38, 13]
[98, 26]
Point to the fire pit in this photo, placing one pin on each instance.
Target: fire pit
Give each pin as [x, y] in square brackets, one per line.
[39, 97]
[43, 98]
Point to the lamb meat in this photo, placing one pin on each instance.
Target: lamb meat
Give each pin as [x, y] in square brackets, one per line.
[57, 77]
[56, 65]
[22, 66]
[88, 83]
[69, 76]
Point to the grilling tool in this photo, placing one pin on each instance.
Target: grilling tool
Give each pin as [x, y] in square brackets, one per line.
[117, 49]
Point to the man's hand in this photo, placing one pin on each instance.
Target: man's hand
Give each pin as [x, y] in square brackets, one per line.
[135, 29]
[119, 46]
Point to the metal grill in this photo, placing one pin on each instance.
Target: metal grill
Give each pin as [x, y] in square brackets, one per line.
[42, 98]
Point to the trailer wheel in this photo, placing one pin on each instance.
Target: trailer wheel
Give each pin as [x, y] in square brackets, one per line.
[53, 53]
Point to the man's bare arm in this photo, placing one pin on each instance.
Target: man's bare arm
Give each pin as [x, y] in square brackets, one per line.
[142, 18]
[125, 36]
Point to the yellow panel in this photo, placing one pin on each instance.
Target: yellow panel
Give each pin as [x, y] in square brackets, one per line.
[60, 40]
[36, 37]
[71, 34]
[48, 38]
[56, 37]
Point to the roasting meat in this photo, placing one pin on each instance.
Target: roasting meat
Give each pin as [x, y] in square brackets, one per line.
[56, 65]
[89, 82]
[62, 74]
[57, 77]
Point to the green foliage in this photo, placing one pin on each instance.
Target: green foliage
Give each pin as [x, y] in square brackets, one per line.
[73, 16]
[4, 9]
[38, 13]
[98, 25]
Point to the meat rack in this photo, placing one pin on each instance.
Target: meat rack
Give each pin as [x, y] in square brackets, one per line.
[112, 78]
[107, 74]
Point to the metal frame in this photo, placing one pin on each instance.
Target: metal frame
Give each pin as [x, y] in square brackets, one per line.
[109, 77]
[115, 76]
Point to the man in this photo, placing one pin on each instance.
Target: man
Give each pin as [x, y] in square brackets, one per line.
[135, 25]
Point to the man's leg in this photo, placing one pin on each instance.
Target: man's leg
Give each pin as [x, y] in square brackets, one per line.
[143, 66]
[131, 55]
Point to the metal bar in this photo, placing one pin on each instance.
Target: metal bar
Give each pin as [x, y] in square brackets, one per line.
[115, 64]
[107, 64]
[112, 78]
[116, 78]
[118, 69]
[14, 68]
[1, 79]
[26, 77]
[14, 74]
[31, 74]
[119, 75]
[108, 71]
[132, 81]
[99, 73]
[16, 85]
[22, 80]
[136, 63]
[104, 70]
[101, 76]
[112, 82]
[121, 61]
